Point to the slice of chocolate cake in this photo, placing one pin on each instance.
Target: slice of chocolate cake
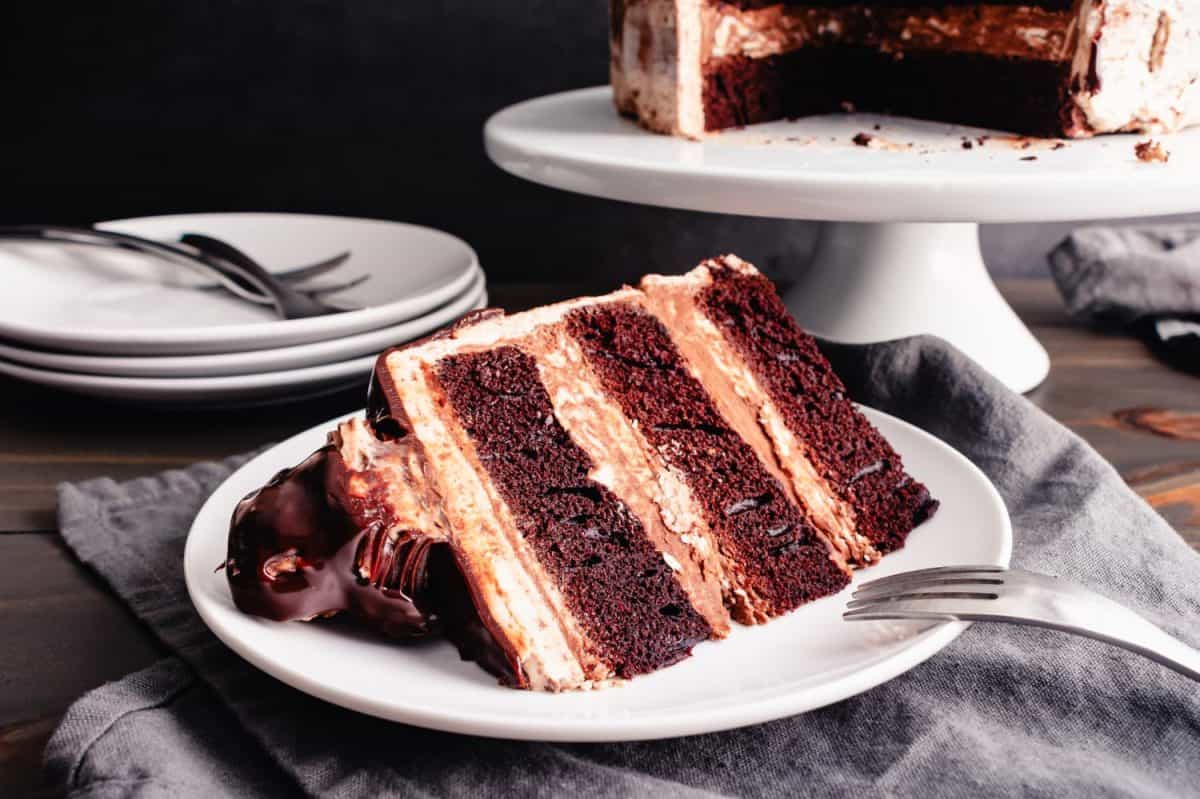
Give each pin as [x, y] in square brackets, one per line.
[1038, 67]
[585, 491]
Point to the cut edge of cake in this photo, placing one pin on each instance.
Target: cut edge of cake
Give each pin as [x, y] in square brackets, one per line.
[1062, 68]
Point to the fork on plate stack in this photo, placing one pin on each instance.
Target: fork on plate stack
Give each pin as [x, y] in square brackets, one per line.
[223, 309]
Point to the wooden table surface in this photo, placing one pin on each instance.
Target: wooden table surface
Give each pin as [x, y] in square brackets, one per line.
[62, 632]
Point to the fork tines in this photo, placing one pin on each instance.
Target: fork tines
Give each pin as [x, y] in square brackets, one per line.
[926, 593]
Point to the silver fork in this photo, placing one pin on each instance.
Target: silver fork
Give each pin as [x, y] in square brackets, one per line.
[991, 593]
[289, 302]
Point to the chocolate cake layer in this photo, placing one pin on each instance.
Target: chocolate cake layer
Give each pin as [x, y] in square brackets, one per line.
[775, 559]
[855, 460]
[1005, 93]
[618, 587]
[1023, 31]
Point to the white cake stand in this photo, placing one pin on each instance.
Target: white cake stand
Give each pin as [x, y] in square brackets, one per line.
[899, 251]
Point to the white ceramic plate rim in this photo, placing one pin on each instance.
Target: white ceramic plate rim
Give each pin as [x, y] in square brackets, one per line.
[765, 704]
[264, 334]
[186, 385]
[239, 363]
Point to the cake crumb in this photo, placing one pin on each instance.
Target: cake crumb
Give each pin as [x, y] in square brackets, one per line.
[1024, 142]
[872, 142]
[878, 127]
[1058, 145]
[1151, 151]
[1029, 158]
[968, 144]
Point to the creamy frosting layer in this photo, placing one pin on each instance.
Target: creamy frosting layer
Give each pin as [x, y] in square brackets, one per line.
[751, 413]
[655, 56]
[394, 471]
[1138, 66]
[987, 29]
[523, 604]
[625, 464]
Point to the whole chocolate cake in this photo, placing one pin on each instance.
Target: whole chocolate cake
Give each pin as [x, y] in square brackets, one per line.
[1046, 68]
[583, 492]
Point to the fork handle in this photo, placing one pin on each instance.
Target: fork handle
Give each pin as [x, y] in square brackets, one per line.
[1102, 619]
[1124, 628]
[1120, 627]
[232, 280]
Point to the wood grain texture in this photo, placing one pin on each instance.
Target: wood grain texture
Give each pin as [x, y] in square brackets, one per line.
[21, 747]
[64, 633]
[1141, 415]
[47, 437]
[1165, 423]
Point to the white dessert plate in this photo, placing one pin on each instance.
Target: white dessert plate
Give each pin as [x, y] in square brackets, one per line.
[251, 361]
[101, 300]
[805, 660]
[256, 387]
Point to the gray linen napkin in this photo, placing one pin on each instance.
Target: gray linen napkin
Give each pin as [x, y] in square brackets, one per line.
[1117, 275]
[1001, 711]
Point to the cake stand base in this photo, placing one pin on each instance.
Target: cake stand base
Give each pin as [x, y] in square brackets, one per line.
[874, 282]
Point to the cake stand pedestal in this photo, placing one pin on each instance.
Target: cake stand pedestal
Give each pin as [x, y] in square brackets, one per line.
[899, 253]
[879, 281]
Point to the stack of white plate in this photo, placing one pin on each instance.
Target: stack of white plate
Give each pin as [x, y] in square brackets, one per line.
[122, 325]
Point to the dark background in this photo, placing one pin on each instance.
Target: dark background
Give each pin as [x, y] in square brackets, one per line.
[371, 108]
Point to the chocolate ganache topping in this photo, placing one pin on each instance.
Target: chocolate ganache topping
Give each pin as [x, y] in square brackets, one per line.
[302, 547]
